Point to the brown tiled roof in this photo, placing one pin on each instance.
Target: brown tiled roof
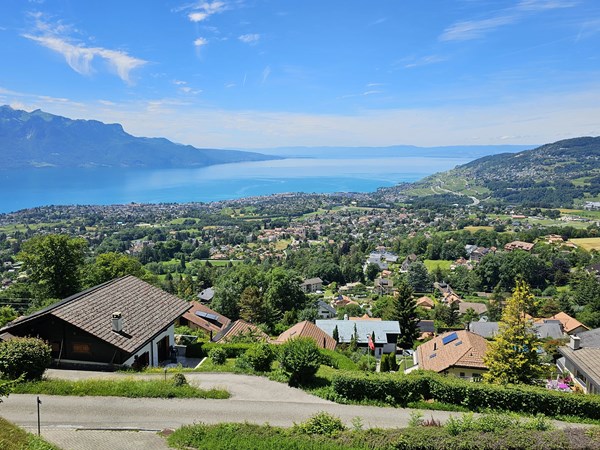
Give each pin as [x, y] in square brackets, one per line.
[190, 315]
[466, 350]
[146, 311]
[240, 327]
[309, 330]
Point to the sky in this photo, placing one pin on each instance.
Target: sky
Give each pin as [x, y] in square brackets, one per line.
[253, 74]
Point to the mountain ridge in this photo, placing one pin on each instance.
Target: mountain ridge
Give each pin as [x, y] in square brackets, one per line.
[41, 139]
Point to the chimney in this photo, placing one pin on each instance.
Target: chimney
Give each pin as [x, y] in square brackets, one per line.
[117, 322]
[575, 342]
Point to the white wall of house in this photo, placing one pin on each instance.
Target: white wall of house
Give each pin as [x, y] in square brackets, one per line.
[152, 349]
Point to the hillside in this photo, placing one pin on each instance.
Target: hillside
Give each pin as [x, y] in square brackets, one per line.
[554, 175]
[40, 139]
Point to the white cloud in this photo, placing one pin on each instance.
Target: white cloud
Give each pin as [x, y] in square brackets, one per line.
[197, 16]
[200, 42]
[249, 38]
[424, 61]
[203, 10]
[78, 56]
[540, 5]
[265, 74]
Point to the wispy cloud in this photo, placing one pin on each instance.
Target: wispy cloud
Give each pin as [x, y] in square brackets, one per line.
[250, 38]
[425, 61]
[475, 29]
[201, 11]
[184, 88]
[79, 56]
[265, 74]
[199, 42]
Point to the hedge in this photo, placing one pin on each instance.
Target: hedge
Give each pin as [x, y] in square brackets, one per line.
[201, 349]
[403, 389]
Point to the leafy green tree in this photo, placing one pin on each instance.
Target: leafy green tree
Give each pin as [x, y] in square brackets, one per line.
[251, 305]
[300, 358]
[54, 264]
[418, 277]
[7, 314]
[229, 288]
[109, 266]
[283, 290]
[512, 357]
[27, 357]
[371, 271]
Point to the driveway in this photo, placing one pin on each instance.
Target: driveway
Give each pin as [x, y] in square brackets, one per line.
[254, 399]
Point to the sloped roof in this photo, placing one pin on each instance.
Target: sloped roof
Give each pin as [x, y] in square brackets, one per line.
[479, 308]
[426, 326]
[146, 311]
[364, 328]
[206, 318]
[310, 281]
[484, 329]
[309, 330]
[587, 360]
[569, 323]
[590, 338]
[425, 302]
[453, 349]
[238, 328]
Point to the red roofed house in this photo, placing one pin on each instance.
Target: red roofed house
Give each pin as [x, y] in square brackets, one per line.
[308, 330]
[201, 317]
[569, 324]
[240, 329]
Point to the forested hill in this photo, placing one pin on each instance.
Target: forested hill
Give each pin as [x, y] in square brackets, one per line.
[40, 139]
[554, 175]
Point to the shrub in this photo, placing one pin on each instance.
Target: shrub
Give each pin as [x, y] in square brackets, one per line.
[179, 380]
[300, 358]
[27, 357]
[217, 355]
[260, 357]
[321, 423]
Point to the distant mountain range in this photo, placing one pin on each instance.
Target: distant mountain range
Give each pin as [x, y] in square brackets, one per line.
[40, 139]
[553, 175]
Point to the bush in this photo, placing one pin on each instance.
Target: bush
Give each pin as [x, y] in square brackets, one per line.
[321, 423]
[300, 358]
[218, 356]
[179, 380]
[27, 357]
[260, 357]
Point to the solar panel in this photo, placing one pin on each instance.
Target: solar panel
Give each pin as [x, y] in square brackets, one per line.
[451, 337]
[208, 316]
[433, 355]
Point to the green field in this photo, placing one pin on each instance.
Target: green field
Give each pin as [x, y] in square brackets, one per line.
[473, 229]
[587, 243]
[433, 264]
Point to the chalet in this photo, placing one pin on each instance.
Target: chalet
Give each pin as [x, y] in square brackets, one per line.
[311, 285]
[425, 303]
[386, 333]
[309, 330]
[123, 322]
[384, 286]
[458, 353]
[407, 262]
[569, 324]
[325, 311]
[581, 358]
[479, 308]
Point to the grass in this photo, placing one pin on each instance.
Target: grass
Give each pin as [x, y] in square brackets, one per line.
[432, 264]
[118, 388]
[14, 438]
[587, 243]
[473, 229]
[282, 244]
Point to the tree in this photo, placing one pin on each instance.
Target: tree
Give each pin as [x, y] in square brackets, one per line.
[300, 358]
[418, 277]
[371, 271]
[336, 334]
[251, 305]
[7, 314]
[405, 312]
[26, 357]
[109, 266]
[512, 357]
[54, 263]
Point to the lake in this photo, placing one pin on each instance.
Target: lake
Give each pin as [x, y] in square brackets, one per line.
[37, 187]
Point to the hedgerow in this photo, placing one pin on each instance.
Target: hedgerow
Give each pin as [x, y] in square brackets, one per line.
[397, 389]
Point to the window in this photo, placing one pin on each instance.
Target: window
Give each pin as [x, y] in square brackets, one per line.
[81, 347]
[462, 374]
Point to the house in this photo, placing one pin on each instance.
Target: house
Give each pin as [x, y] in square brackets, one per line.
[488, 330]
[458, 353]
[384, 286]
[479, 308]
[201, 317]
[386, 333]
[518, 245]
[240, 329]
[206, 295]
[311, 285]
[478, 254]
[407, 262]
[123, 322]
[425, 303]
[427, 329]
[309, 330]
[581, 358]
[325, 311]
[569, 324]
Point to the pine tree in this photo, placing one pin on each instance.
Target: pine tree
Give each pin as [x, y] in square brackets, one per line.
[512, 357]
[405, 312]
[336, 334]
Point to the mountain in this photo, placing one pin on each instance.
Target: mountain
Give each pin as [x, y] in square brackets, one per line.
[40, 139]
[553, 175]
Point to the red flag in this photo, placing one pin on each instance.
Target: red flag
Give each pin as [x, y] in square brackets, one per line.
[371, 344]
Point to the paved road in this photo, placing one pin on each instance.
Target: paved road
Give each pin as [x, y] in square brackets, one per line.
[254, 399]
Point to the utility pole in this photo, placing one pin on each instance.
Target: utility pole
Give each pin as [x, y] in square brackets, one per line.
[39, 402]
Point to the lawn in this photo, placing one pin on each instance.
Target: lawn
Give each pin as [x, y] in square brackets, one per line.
[433, 264]
[118, 388]
[587, 243]
[14, 438]
[473, 229]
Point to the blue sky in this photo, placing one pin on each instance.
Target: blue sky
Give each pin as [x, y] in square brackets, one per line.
[266, 73]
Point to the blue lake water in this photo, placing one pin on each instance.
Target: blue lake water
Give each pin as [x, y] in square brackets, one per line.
[37, 187]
